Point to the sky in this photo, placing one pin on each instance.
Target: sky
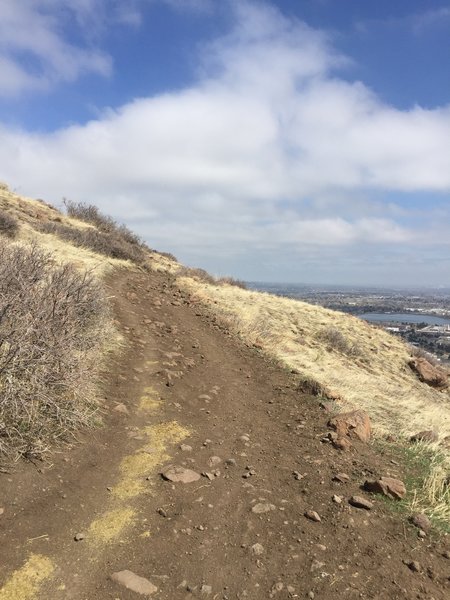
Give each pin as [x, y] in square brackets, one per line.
[295, 140]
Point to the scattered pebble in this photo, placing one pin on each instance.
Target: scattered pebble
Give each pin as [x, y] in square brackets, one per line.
[312, 515]
[263, 507]
[360, 502]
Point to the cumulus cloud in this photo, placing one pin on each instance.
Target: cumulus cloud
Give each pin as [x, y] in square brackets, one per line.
[34, 54]
[265, 153]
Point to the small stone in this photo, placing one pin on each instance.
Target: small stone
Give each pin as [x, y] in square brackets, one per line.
[360, 502]
[244, 438]
[230, 462]
[185, 448]
[263, 507]
[312, 515]
[277, 587]
[133, 582]
[2, 510]
[297, 476]
[446, 554]
[337, 499]
[122, 409]
[257, 549]
[180, 474]
[78, 537]
[214, 461]
[341, 478]
[421, 521]
[421, 533]
[316, 565]
[208, 475]
[414, 566]
[290, 589]
[205, 590]
[311, 595]
[161, 512]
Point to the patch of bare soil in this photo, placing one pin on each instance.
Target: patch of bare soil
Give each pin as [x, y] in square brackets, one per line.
[265, 519]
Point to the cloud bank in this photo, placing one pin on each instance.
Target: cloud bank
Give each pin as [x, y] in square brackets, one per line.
[271, 156]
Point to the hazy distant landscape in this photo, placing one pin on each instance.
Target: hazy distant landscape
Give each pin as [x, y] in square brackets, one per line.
[421, 316]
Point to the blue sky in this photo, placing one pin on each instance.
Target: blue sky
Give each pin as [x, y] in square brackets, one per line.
[297, 140]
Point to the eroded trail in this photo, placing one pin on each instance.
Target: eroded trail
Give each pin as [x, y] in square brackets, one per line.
[186, 393]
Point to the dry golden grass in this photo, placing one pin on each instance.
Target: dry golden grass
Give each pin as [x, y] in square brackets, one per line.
[354, 363]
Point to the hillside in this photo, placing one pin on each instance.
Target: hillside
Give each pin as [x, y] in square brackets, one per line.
[235, 389]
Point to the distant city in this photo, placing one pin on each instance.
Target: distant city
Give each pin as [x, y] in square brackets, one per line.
[421, 316]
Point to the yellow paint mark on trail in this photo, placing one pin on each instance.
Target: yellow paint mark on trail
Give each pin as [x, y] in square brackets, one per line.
[136, 467]
[149, 401]
[25, 583]
[110, 525]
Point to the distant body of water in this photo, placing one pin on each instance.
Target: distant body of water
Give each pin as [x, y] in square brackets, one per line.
[404, 318]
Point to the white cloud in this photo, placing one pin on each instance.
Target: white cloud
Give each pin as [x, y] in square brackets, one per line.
[33, 52]
[247, 160]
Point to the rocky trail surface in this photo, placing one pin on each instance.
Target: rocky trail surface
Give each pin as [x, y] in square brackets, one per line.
[210, 479]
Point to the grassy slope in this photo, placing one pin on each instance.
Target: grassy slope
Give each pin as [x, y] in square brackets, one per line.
[374, 375]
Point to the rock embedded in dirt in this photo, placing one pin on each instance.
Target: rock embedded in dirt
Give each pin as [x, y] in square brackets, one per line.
[135, 583]
[421, 521]
[355, 423]
[78, 537]
[428, 373]
[360, 502]
[341, 478]
[414, 566]
[312, 515]
[387, 486]
[185, 448]
[214, 461]
[206, 590]
[257, 549]
[263, 507]
[178, 474]
[343, 444]
[424, 436]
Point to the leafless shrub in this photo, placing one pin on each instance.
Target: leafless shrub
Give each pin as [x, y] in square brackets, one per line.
[308, 385]
[232, 281]
[202, 275]
[8, 224]
[168, 255]
[109, 244]
[91, 214]
[199, 274]
[336, 340]
[52, 323]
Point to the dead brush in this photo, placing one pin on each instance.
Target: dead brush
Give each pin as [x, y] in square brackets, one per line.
[52, 326]
[9, 226]
[112, 244]
[336, 340]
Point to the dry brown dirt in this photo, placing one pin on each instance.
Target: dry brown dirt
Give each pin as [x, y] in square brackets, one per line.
[184, 380]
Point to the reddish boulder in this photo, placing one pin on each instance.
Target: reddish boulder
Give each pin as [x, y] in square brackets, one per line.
[355, 423]
[387, 486]
[429, 374]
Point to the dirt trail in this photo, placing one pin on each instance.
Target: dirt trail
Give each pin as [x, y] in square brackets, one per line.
[182, 383]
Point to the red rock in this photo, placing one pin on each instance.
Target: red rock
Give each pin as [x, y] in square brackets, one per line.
[429, 374]
[355, 423]
[342, 443]
[388, 486]
[360, 502]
